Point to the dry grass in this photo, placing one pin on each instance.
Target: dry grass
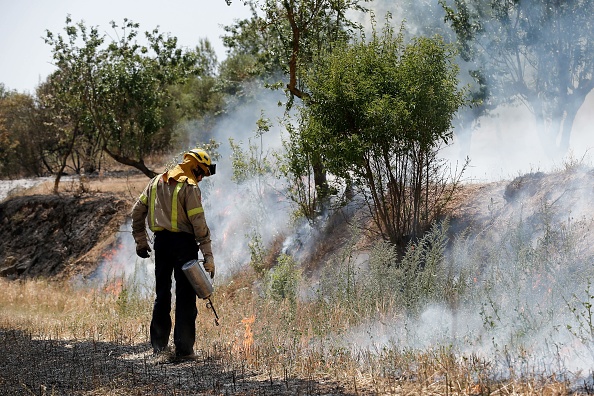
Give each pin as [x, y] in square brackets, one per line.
[67, 312]
[261, 347]
[127, 186]
[114, 178]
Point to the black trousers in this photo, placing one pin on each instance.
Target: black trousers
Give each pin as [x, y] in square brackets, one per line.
[172, 251]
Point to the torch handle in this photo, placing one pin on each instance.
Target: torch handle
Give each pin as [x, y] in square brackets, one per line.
[211, 307]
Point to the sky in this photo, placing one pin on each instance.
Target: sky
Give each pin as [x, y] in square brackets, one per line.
[25, 59]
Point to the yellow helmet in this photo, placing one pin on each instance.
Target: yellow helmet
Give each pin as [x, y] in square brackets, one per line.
[204, 161]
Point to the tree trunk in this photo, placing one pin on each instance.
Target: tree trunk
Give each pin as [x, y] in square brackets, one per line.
[547, 130]
[65, 161]
[571, 109]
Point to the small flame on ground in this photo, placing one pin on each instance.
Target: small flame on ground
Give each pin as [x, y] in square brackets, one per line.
[246, 346]
[114, 287]
[248, 337]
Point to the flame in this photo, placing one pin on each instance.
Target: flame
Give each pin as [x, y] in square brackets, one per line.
[476, 390]
[109, 255]
[114, 287]
[248, 337]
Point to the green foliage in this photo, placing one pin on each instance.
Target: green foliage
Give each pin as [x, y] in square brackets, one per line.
[378, 112]
[257, 254]
[282, 281]
[254, 172]
[581, 306]
[116, 95]
[522, 287]
[423, 271]
[254, 163]
[392, 283]
[22, 136]
[200, 99]
[420, 278]
[523, 278]
[298, 170]
[285, 36]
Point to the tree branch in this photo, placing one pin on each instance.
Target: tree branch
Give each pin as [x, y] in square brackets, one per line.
[130, 162]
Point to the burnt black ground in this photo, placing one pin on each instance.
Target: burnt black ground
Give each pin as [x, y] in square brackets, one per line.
[55, 367]
[54, 236]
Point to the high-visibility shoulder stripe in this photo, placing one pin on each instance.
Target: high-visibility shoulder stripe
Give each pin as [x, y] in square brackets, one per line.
[195, 211]
[153, 194]
[143, 198]
[174, 206]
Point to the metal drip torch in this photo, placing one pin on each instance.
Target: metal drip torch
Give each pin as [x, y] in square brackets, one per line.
[201, 283]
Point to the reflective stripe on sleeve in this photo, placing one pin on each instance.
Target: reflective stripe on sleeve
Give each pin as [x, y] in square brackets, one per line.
[143, 198]
[153, 194]
[195, 211]
[174, 206]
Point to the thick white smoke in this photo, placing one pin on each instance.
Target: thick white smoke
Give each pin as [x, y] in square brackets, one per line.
[238, 214]
[529, 311]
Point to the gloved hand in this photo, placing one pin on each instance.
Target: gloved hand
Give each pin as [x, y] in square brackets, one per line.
[143, 251]
[209, 265]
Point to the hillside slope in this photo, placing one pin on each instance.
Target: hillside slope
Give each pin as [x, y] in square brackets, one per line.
[61, 236]
[57, 236]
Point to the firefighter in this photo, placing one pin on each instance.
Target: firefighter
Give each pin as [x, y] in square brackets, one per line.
[171, 204]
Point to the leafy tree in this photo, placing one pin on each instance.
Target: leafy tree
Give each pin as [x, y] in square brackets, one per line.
[64, 122]
[254, 45]
[3, 91]
[116, 95]
[8, 141]
[286, 35]
[426, 18]
[538, 52]
[22, 135]
[378, 114]
[199, 100]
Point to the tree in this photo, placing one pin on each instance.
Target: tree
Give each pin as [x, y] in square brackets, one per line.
[8, 142]
[540, 53]
[64, 122]
[21, 135]
[200, 100]
[378, 114]
[288, 34]
[116, 95]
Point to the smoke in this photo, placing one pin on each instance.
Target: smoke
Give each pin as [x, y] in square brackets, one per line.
[506, 145]
[526, 252]
[242, 216]
[122, 264]
[10, 187]
[506, 142]
[252, 212]
[521, 260]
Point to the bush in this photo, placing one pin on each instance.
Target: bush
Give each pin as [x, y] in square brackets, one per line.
[283, 280]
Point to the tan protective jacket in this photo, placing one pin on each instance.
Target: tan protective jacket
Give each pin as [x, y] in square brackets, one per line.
[170, 205]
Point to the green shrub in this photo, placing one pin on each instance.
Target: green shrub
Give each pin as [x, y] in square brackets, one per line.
[282, 281]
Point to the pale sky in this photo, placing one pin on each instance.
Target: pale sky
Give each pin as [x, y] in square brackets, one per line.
[25, 59]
